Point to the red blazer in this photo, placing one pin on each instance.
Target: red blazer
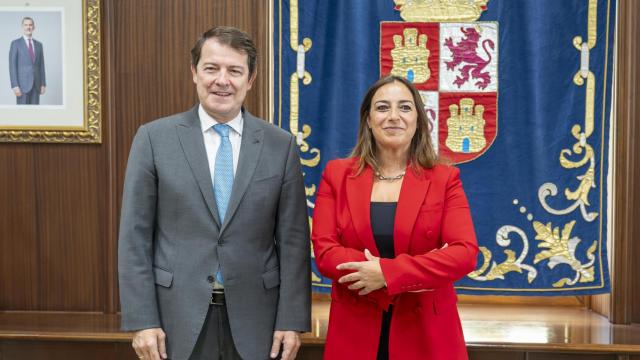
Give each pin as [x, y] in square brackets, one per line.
[432, 211]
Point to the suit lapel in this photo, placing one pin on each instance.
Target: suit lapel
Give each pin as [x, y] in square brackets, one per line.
[250, 148]
[192, 141]
[412, 193]
[359, 202]
[23, 47]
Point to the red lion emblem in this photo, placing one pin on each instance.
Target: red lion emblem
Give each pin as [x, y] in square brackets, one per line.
[465, 51]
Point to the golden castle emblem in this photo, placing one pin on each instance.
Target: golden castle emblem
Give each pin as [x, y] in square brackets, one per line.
[466, 129]
[440, 10]
[410, 58]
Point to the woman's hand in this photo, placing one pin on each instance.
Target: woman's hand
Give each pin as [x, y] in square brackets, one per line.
[367, 277]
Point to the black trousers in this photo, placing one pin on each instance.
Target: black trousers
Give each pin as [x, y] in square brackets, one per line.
[383, 345]
[215, 341]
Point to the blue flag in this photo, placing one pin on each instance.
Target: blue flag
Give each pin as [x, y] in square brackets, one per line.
[519, 95]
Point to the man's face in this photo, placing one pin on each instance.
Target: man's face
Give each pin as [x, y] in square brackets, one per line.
[28, 27]
[222, 80]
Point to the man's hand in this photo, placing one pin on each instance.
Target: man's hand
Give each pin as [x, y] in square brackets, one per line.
[149, 344]
[42, 90]
[291, 341]
[16, 90]
[367, 277]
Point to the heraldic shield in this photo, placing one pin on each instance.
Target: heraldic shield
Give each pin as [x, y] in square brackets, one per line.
[455, 68]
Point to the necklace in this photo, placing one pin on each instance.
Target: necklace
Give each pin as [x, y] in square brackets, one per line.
[389, 178]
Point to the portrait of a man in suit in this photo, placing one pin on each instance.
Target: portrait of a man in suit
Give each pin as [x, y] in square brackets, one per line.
[26, 66]
[214, 249]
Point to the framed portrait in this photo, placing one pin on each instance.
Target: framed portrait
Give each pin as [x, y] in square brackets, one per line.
[50, 65]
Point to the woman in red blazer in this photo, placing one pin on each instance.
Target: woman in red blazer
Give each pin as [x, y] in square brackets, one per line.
[392, 229]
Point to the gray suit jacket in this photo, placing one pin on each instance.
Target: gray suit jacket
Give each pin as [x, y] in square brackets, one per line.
[171, 239]
[22, 71]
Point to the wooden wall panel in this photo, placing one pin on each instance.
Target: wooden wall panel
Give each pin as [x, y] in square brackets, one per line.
[632, 101]
[19, 275]
[71, 216]
[601, 304]
[111, 221]
[52, 227]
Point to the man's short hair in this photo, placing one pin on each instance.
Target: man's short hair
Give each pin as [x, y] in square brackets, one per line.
[28, 18]
[232, 37]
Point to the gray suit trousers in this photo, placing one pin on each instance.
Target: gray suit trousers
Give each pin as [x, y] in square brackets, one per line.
[215, 341]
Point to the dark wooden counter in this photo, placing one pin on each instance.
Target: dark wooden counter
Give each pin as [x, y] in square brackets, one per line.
[491, 332]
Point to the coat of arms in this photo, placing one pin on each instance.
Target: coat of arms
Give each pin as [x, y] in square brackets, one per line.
[454, 65]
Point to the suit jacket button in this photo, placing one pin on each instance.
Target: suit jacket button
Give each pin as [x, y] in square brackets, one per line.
[210, 279]
[417, 310]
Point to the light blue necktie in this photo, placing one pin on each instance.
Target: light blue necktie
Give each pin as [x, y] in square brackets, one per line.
[223, 176]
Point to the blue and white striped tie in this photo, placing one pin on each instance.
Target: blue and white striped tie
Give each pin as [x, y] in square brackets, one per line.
[223, 176]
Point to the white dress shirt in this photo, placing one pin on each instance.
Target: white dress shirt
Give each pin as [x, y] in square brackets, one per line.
[212, 138]
[26, 42]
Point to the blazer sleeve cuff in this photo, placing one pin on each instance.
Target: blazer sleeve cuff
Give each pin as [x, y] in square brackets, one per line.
[390, 271]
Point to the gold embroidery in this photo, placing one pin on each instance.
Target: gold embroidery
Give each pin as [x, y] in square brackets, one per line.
[497, 271]
[410, 60]
[440, 10]
[486, 256]
[294, 95]
[309, 191]
[466, 129]
[587, 182]
[294, 112]
[580, 195]
[294, 28]
[511, 264]
[561, 248]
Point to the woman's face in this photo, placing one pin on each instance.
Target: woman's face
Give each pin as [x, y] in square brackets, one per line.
[393, 116]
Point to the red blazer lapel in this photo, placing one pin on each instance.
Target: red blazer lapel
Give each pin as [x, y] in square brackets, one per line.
[359, 202]
[412, 193]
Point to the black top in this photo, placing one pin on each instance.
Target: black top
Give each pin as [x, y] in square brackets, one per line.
[383, 215]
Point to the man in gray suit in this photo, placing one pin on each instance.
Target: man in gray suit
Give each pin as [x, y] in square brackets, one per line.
[26, 66]
[214, 252]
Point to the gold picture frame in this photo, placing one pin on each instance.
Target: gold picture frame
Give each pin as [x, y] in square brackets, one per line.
[75, 119]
